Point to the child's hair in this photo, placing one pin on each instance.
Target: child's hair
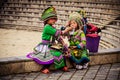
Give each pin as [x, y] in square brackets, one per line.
[77, 18]
[45, 22]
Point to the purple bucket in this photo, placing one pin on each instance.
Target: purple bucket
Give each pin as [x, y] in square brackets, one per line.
[92, 43]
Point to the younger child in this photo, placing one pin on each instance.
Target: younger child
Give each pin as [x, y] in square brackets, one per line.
[77, 40]
[43, 53]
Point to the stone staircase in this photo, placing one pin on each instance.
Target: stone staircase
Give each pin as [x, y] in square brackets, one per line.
[25, 14]
[110, 35]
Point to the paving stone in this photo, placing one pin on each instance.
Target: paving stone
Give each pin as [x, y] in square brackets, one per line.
[21, 75]
[55, 75]
[31, 76]
[34, 74]
[6, 77]
[115, 69]
[98, 72]
[119, 77]
[42, 76]
[106, 66]
[17, 78]
[116, 65]
[77, 78]
[80, 72]
[28, 78]
[103, 72]
[90, 74]
[87, 78]
[78, 75]
[96, 67]
[67, 75]
[104, 69]
[114, 72]
[112, 77]
[100, 77]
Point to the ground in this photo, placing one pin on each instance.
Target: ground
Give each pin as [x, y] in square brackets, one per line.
[17, 42]
[97, 72]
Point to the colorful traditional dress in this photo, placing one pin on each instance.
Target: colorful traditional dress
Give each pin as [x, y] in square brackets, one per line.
[79, 54]
[43, 53]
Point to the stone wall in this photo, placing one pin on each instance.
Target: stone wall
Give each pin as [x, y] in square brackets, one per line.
[25, 14]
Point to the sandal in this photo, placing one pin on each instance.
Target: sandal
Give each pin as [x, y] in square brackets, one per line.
[65, 69]
[45, 71]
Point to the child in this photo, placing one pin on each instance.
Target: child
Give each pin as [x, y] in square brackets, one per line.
[43, 53]
[83, 14]
[77, 40]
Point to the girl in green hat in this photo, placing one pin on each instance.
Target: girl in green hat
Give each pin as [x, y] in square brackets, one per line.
[43, 53]
[77, 41]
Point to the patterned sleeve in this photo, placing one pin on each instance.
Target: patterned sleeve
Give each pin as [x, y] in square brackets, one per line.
[58, 32]
[83, 40]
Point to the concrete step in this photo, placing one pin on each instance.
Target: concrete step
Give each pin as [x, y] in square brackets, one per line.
[22, 64]
[105, 45]
[97, 72]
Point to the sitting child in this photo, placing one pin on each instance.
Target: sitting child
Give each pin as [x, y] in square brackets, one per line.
[43, 53]
[77, 40]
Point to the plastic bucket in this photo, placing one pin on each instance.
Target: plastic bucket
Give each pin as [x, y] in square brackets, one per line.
[92, 43]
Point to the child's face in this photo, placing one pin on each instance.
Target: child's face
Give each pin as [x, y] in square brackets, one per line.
[73, 24]
[52, 21]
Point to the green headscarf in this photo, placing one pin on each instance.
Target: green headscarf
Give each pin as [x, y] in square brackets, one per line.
[49, 13]
[77, 17]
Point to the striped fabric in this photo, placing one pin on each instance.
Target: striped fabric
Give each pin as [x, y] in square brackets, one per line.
[79, 55]
[83, 40]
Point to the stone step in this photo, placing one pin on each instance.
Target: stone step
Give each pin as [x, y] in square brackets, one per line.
[91, 1]
[21, 27]
[102, 46]
[39, 6]
[58, 7]
[106, 25]
[22, 64]
[110, 41]
[37, 12]
[112, 33]
[31, 16]
[97, 72]
[105, 45]
[69, 2]
[115, 30]
[115, 22]
[102, 17]
[36, 20]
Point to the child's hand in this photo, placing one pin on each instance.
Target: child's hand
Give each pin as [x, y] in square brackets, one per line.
[67, 30]
[67, 24]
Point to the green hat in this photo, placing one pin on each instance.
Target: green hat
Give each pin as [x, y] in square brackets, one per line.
[49, 13]
[77, 17]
